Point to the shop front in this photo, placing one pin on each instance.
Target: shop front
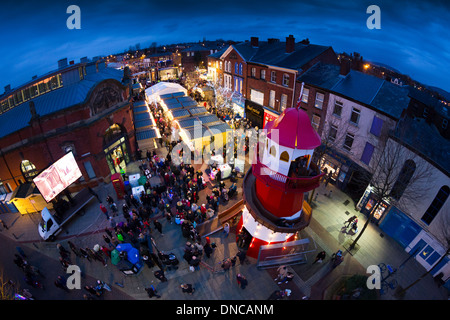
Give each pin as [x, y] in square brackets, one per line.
[238, 104]
[254, 113]
[269, 116]
[116, 148]
[367, 204]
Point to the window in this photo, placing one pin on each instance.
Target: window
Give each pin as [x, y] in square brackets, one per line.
[315, 121]
[263, 74]
[273, 151]
[273, 76]
[337, 111]
[257, 96]
[436, 205]
[367, 153]
[348, 141]
[90, 171]
[272, 99]
[333, 133]
[236, 68]
[220, 65]
[444, 123]
[3, 188]
[240, 69]
[425, 112]
[254, 72]
[319, 100]
[305, 95]
[354, 117]
[285, 79]
[377, 124]
[403, 179]
[284, 156]
[283, 103]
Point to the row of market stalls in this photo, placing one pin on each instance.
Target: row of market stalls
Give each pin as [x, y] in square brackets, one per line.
[145, 127]
[193, 123]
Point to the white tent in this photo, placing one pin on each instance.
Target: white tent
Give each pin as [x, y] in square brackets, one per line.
[154, 92]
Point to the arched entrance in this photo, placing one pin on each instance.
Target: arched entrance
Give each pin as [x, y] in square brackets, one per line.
[116, 148]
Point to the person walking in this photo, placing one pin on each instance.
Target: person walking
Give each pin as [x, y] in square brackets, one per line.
[349, 221]
[226, 264]
[241, 280]
[151, 291]
[226, 229]
[63, 252]
[104, 210]
[108, 241]
[241, 255]
[60, 282]
[158, 226]
[320, 257]
[74, 248]
[187, 288]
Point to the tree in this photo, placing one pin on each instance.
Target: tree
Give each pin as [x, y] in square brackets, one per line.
[332, 137]
[401, 177]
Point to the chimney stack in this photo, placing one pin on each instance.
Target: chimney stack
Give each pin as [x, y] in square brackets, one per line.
[62, 63]
[345, 66]
[290, 44]
[254, 41]
[7, 88]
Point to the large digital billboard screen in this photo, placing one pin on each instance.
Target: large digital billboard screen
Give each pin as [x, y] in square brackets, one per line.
[61, 174]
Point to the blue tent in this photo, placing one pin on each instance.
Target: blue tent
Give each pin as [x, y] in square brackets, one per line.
[132, 253]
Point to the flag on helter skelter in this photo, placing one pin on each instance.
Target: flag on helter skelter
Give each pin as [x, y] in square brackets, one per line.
[300, 97]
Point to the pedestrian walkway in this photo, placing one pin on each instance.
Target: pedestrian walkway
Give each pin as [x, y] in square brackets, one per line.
[212, 283]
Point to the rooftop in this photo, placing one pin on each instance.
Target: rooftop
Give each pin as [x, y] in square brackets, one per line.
[69, 95]
[380, 94]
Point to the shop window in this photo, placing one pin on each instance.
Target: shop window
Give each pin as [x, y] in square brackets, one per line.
[436, 205]
[284, 156]
[3, 188]
[283, 103]
[403, 179]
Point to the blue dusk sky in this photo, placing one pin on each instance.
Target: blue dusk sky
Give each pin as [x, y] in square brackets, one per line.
[413, 37]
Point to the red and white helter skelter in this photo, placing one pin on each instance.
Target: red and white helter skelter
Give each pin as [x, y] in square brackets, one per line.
[274, 208]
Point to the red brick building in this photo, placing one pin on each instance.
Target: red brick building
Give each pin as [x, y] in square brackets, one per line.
[270, 68]
[81, 108]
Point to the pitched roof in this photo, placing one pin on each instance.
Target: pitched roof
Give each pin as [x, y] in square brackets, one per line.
[18, 117]
[423, 137]
[274, 53]
[380, 94]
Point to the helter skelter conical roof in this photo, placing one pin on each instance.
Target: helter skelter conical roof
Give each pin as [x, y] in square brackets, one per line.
[294, 130]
